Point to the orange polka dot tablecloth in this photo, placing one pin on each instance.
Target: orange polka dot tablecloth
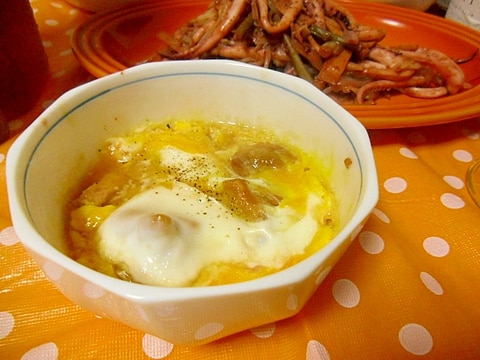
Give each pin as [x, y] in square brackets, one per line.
[407, 288]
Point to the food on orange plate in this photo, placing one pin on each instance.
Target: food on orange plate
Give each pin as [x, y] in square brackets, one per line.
[320, 41]
[195, 203]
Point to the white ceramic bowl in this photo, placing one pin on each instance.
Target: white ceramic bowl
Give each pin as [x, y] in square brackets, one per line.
[58, 147]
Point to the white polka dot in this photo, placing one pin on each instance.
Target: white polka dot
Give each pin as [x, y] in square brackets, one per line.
[48, 351]
[208, 330]
[322, 274]
[408, 153]
[67, 52]
[371, 242]
[51, 22]
[59, 74]
[462, 155]
[264, 331]
[70, 32]
[431, 283]
[381, 215]
[7, 322]
[452, 201]
[316, 351]
[436, 246]
[47, 44]
[53, 271]
[8, 237]
[142, 313]
[2, 158]
[395, 185]
[453, 181]
[93, 291]
[56, 5]
[473, 135]
[415, 339]
[167, 310]
[156, 348]
[292, 302]
[15, 124]
[346, 293]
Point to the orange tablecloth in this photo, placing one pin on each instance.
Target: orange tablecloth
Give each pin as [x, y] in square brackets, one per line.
[408, 287]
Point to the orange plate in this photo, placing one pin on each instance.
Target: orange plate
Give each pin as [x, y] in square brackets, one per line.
[127, 36]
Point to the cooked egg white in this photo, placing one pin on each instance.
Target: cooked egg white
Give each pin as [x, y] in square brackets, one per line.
[164, 206]
[167, 236]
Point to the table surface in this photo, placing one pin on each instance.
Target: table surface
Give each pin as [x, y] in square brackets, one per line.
[407, 288]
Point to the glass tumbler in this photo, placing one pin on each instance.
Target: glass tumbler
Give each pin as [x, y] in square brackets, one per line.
[473, 181]
[23, 62]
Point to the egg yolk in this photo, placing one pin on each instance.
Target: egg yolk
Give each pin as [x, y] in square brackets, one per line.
[197, 203]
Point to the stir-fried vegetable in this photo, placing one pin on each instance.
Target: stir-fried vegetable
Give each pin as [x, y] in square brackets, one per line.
[319, 41]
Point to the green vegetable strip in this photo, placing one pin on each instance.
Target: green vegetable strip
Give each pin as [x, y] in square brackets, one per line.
[244, 26]
[326, 35]
[298, 65]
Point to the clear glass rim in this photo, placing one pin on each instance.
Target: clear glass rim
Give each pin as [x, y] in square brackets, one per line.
[473, 169]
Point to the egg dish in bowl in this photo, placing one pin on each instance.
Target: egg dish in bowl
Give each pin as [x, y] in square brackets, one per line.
[284, 177]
